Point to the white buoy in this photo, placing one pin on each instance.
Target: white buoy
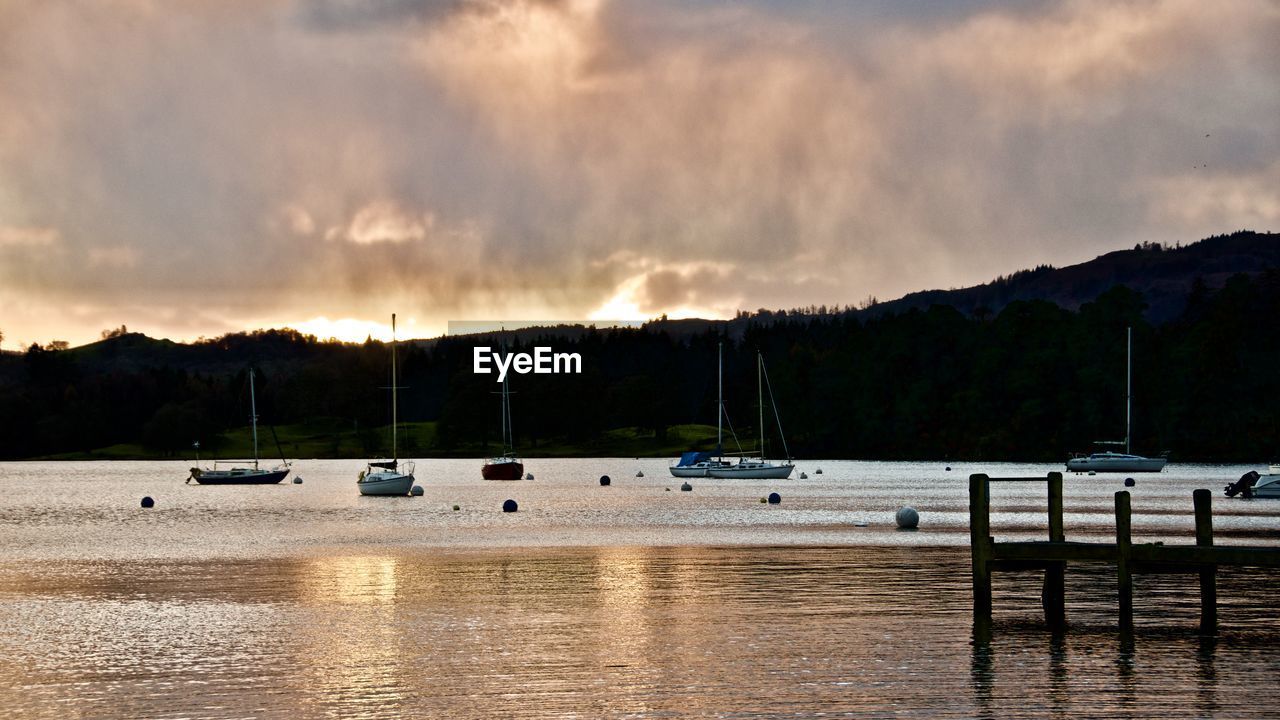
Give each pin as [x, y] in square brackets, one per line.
[907, 517]
[416, 491]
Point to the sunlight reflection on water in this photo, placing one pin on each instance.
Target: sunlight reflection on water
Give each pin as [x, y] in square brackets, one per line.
[591, 602]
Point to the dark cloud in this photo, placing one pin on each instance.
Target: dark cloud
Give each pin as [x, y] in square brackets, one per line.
[233, 164]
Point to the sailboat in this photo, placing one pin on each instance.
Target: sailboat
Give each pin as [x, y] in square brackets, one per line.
[1114, 461]
[388, 477]
[241, 475]
[699, 463]
[759, 468]
[506, 466]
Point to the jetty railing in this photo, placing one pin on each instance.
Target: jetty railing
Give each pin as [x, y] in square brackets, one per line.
[1053, 554]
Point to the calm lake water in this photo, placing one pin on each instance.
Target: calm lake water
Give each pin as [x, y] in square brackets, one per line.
[633, 600]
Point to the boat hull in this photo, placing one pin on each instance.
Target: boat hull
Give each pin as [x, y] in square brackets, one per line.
[240, 477]
[510, 470]
[1267, 486]
[385, 484]
[752, 472]
[1116, 464]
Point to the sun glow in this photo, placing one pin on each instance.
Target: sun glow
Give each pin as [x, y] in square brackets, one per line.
[356, 330]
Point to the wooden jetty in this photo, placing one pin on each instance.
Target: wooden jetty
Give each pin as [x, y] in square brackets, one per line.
[1201, 559]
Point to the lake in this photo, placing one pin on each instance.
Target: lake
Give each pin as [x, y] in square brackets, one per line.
[632, 600]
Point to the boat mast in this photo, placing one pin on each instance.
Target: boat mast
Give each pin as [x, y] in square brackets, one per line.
[1128, 391]
[253, 417]
[394, 418]
[508, 433]
[720, 399]
[760, 397]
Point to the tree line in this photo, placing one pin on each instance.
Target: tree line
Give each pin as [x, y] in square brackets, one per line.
[1032, 382]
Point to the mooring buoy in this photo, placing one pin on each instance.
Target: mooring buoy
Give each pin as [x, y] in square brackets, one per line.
[818, 471]
[686, 487]
[456, 508]
[510, 506]
[774, 498]
[604, 480]
[297, 481]
[416, 491]
[1129, 482]
[528, 476]
[907, 518]
[147, 502]
[804, 476]
[639, 473]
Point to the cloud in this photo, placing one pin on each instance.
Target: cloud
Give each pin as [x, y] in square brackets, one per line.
[383, 222]
[11, 236]
[482, 158]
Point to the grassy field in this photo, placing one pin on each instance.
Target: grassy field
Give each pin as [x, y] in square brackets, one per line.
[329, 439]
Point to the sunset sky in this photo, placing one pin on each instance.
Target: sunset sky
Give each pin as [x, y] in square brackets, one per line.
[195, 168]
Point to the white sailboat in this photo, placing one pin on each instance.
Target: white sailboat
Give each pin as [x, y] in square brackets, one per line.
[388, 477]
[759, 468]
[1114, 461]
[697, 464]
[242, 475]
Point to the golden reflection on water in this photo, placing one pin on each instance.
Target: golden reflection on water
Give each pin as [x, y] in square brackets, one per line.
[610, 632]
[350, 580]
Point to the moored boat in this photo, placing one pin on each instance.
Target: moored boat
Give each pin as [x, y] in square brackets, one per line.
[505, 466]
[388, 477]
[759, 468]
[1252, 484]
[502, 468]
[1115, 461]
[242, 475]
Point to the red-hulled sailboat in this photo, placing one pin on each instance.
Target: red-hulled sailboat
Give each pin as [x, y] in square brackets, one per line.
[506, 466]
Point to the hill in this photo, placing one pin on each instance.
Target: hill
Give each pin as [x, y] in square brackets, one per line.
[1164, 275]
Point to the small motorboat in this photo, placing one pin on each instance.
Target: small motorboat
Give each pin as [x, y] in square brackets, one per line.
[1253, 484]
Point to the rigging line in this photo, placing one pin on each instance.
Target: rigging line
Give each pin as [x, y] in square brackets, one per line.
[732, 432]
[774, 403]
[278, 448]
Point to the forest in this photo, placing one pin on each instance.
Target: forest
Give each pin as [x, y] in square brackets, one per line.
[1032, 382]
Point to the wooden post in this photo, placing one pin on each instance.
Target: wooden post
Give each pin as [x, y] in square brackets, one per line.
[1053, 596]
[1203, 500]
[980, 548]
[1124, 580]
